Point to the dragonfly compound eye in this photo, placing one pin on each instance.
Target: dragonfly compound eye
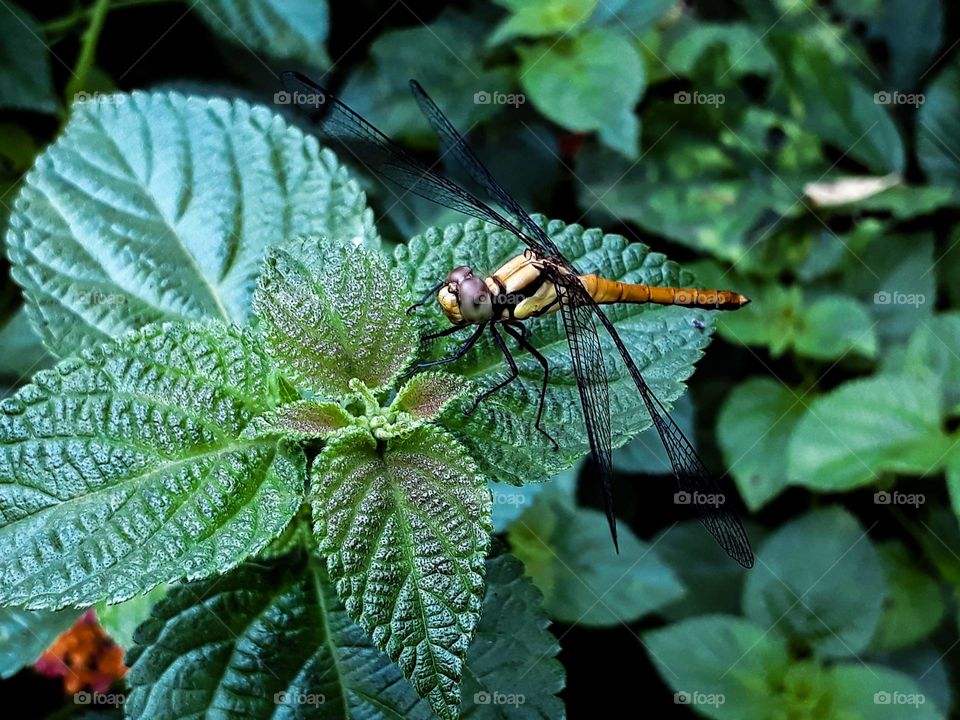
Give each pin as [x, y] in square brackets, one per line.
[458, 275]
[476, 304]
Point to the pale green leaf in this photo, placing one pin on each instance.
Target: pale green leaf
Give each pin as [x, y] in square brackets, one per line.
[23, 352]
[157, 207]
[330, 312]
[405, 529]
[122, 469]
[26, 82]
[800, 586]
[866, 427]
[535, 18]
[746, 53]
[584, 82]
[25, 634]
[934, 348]
[289, 29]
[753, 429]
[873, 692]
[834, 326]
[938, 128]
[122, 619]
[500, 435]
[914, 606]
[568, 552]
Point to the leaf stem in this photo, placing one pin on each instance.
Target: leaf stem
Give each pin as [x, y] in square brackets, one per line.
[68, 22]
[88, 48]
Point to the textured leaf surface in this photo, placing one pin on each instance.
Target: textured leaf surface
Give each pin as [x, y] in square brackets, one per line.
[302, 420]
[293, 29]
[427, 394]
[159, 207]
[122, 469]
[500, 434]
[331, 312]
[265, 641]
[24, 634]
[800, 584]
[405, 530]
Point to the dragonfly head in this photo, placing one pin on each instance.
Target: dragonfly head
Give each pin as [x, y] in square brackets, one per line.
[465, 298]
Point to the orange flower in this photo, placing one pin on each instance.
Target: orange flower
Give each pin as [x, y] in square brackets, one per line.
[84, 656]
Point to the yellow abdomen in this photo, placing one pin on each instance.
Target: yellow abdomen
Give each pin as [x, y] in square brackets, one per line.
[606, 292]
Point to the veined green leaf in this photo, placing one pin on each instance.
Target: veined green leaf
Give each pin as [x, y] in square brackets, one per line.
[330, 313]
[291, 29]
[405, 527]
[25, 634]
[500, 434]
[301, 420]
[427, 394]
[155, 207]
[123, 468]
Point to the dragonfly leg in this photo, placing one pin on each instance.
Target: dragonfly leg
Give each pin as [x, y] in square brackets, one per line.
[521, 338]
[441, 333]
[461, 351]
[514, 372]
[426, 296]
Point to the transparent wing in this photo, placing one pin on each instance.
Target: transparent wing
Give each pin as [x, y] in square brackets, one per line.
[586, 354]
[382, 156]
[451, 141]
[692, 474]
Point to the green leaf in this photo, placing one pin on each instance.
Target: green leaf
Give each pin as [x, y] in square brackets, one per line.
[866, 427]
[724, 666]
[26, 82]
[914, 606]
[874, 692]
[500, 434]
[447, 57]
[426, 395]
[263, 641]
[938, 128]
[801, 585]
[646, 452]
[23, 353]
[301, 420]
[913, 31]
[753, 429]
[637, 17]
[122, 469]
[591, 81]
[837, 106]
[330, 312]
[289, 29]
[157, 207]
[405, 529]
[511, 501]
[121, 620]
[513, 654]
[568, 552]
[746, 53]
[536, 18]
[934, 348]
[834, 326]
[25, 634]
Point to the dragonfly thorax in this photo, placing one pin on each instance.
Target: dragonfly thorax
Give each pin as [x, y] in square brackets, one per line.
[465, 298]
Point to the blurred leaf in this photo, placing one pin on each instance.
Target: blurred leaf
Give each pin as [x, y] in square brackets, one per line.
[914, 606]
[330, 312]
[588, 82]
[874, 692]
[500, 434]
[568, 552]
[913, 31]
[122, 620]
[938, 128]
[511, 501]
[837, 106]
[908, 201]
[713, 583]
[894, 277]
[754, 429]
[447, 58]
[637, 17]
[723, 666]
[646, 453]
[159, 207]
[405, 526]
[535, 18]
[924, 664]
[802, 584]
[289, 29]
[934, 348]
[746, 53]
[135, 447]
[26, 82]
[25, 634]
[834, 326]
[23, 351]
[849, 190]
[866, 427]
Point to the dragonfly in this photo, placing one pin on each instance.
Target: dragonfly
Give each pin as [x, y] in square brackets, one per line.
[537, 282]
